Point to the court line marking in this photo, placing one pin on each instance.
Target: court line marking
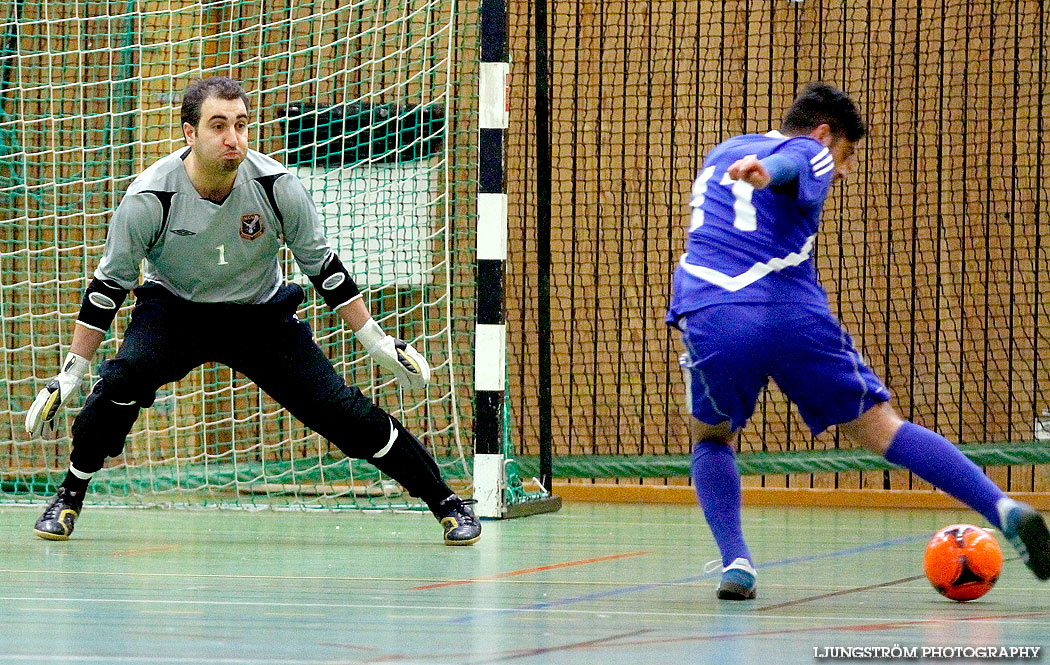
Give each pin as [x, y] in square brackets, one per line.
[291, 578]
[613, 641]
[152, 549]
[602, 642]
[39, 659]
[855, 628]
[221, 576]
[843, 592]
[634, 588]
[497, 656]
[475, 659]
[220, 603]
[528, 571]
[451, 609]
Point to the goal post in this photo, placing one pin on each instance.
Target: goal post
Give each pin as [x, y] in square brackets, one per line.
[365, 102]
[498, 486]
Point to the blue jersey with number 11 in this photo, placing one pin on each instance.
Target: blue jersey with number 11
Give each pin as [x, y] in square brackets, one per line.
[753, 246]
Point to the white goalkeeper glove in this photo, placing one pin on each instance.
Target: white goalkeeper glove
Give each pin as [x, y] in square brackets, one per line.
[58, 391]
[394, 355]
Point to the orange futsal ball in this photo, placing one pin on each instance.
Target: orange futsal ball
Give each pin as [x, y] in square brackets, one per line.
[963, 562]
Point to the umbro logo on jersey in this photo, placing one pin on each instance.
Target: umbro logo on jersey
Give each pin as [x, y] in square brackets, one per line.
[251, 226]
[183, 232]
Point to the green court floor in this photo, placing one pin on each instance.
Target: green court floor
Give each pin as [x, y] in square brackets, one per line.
[589, 584]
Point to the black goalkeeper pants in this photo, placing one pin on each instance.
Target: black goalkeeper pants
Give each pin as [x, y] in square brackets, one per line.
[168, 337]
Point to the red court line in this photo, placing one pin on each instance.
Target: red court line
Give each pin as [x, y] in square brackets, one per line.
[854, 628]
[527, 571]
[153, 549]
[491, 657]
[597, 642]
[844, 592]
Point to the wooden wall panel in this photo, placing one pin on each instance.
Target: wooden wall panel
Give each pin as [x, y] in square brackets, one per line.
[933, 254]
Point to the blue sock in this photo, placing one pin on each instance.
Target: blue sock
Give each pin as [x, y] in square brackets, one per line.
[934, 459]
[717, 482]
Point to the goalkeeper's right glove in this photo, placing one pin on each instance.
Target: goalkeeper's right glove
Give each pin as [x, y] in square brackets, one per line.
[394, 355]
[58, 391]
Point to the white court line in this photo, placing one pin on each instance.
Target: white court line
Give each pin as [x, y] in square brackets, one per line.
[458, 609]
[41, 659]
[331, 578]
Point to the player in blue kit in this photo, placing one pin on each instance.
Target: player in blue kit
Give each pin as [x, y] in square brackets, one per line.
[748, 304]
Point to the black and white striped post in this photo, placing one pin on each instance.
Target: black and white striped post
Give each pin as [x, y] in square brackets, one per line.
[490, 333]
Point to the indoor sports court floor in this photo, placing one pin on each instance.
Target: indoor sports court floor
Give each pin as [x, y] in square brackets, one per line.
[589, 584]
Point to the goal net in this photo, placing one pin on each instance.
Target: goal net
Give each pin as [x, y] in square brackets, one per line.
[359, 100]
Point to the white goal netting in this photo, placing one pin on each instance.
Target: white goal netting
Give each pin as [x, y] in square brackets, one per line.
[357, 99]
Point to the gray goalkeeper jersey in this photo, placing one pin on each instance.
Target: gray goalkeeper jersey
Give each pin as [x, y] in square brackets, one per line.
[209, 252]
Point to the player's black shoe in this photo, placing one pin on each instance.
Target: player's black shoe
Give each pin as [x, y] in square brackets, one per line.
[461, 526]
[1026, 530]
[57, 521]
[739, 581]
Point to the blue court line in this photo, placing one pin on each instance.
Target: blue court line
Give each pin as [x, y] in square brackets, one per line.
[904, 540]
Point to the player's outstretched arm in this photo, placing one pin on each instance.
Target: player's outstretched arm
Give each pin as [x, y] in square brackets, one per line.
[134, 224]
[102, 299]
[44, 411]
[394, 355]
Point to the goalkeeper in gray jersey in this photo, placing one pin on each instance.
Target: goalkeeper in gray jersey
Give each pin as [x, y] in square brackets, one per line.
[209, 220]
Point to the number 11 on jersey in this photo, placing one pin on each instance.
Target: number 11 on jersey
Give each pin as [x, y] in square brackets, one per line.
[745, 217]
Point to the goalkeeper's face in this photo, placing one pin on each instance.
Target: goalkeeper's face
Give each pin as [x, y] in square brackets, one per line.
[220, 139]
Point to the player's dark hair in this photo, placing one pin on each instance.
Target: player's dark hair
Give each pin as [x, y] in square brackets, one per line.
[818, 104]
[222, 87]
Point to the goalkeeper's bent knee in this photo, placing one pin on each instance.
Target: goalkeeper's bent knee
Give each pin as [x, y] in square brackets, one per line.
[404, 458]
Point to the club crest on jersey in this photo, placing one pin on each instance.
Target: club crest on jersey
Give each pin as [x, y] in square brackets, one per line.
[251, 226]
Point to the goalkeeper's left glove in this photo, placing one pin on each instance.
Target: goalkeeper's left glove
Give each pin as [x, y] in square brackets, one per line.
[394, 355]
[59, 390]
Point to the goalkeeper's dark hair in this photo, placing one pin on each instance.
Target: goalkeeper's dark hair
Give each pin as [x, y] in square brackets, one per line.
[222, 87]
[818, 104]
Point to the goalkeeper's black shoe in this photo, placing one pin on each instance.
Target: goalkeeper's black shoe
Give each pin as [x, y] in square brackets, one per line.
[461, 526]
[57, 521]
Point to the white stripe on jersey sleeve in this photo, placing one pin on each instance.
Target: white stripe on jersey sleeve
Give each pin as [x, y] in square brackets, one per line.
[819, 156]
[822, 163]
[824, 170]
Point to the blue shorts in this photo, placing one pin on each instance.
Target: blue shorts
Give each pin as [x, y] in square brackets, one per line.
[733, 349]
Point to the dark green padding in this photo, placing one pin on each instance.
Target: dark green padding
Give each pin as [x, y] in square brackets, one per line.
[335, 469]
[756, 464]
